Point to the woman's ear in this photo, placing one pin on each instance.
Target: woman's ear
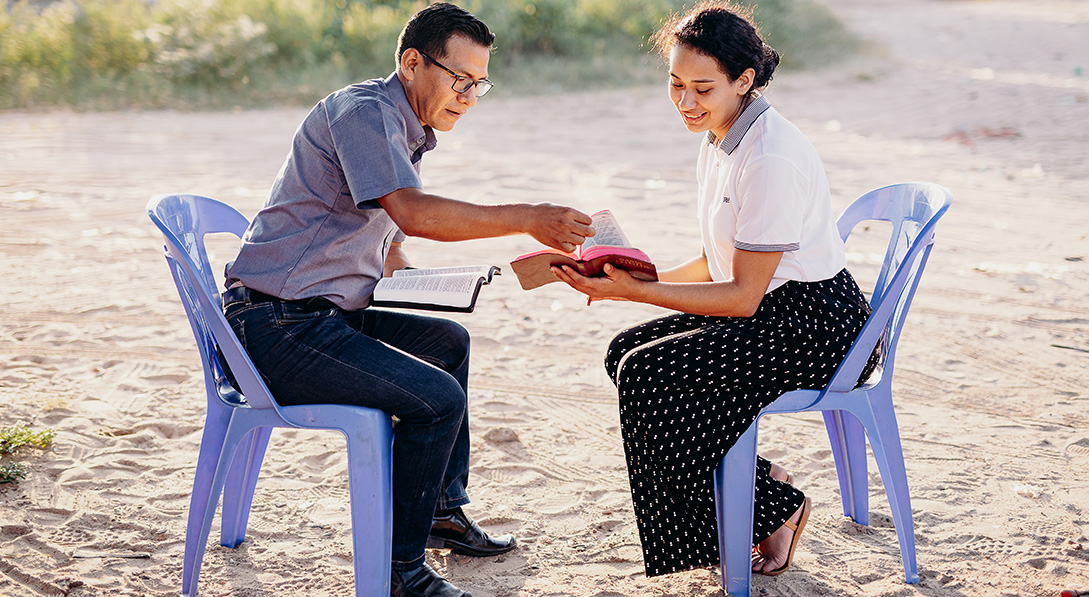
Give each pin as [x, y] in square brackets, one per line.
[744, 82]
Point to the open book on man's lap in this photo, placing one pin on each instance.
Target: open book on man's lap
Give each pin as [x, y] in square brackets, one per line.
[608, 245]
[434, 289]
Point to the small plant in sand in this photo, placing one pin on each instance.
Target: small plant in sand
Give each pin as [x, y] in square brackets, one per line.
[18, 435]
[12, 472]
[14, 437]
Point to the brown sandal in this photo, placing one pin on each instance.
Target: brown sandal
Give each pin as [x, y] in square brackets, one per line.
[797, 528]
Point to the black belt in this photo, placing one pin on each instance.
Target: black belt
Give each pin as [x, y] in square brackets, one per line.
[241, 294]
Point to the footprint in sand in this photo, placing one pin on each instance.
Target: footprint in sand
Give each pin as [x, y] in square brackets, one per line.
[1078, 450]
[501, 435]
[70, 536]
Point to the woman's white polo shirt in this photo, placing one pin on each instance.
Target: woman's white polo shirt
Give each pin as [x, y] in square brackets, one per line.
[763, 188]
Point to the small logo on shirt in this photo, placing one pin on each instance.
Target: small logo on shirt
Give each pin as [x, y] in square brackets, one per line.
[725, 199]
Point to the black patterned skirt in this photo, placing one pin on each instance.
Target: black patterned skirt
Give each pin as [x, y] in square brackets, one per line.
[690, 385]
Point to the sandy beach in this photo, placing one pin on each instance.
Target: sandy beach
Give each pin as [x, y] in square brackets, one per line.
[989, 98]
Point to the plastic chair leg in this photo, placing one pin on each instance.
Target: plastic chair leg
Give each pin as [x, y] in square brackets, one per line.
[889, 454]
[848, 440]
[370, 480]
[196, 540]
[203, 498]
[200, 538]
[239, 486]
[735, 490]
[369, 483]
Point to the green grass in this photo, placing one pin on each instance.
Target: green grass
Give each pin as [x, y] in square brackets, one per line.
[12, 472]
[18, 435]
[211, 54]
[14, 437]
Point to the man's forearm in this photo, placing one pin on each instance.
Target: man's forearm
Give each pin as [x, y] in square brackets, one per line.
[437, 218]
[441, 219]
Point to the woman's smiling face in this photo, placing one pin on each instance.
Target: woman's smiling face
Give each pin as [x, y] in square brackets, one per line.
[704, 95]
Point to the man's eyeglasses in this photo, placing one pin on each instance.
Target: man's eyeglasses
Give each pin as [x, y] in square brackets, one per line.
[461, 82]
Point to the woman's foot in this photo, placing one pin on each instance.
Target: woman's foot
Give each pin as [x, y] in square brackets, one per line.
[780, 474]
[774, 554]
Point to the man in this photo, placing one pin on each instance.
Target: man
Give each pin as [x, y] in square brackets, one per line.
[344, 200]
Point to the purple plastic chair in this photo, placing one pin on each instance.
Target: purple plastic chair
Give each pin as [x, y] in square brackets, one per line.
[851, 414]
[237, 427]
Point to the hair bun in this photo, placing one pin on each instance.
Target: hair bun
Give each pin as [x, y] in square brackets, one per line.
[772, 54]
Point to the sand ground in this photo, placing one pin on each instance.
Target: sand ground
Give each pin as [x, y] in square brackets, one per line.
[989, 98]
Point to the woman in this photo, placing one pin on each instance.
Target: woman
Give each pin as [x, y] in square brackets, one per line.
[767, 306]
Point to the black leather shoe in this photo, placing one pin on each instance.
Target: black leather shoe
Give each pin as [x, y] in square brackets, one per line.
[422, 582]
[458, 533]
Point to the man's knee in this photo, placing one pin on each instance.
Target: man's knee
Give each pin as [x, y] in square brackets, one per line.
[457, 335]
[448, 345]
[445, 400]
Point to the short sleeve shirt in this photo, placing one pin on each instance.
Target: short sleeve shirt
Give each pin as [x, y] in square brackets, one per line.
[322, 231]
[762, 188]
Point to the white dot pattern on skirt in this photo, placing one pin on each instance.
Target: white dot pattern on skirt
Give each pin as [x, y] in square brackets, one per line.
[690, 385]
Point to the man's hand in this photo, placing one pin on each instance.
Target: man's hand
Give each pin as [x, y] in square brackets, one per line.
[395, 260]
[557, 226]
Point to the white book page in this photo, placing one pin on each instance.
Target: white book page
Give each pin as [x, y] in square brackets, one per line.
[448, 283]
[607, 232]
[481, 270]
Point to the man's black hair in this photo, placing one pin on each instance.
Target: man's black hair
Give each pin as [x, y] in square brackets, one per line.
[429, 29]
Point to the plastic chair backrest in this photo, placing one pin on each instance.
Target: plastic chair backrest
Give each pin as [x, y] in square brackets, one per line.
[913, 209]
[184, 220]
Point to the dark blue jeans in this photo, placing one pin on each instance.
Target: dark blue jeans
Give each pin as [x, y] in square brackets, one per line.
[410, 366]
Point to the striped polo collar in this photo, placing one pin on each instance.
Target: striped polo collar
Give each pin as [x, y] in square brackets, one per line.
[741, 125]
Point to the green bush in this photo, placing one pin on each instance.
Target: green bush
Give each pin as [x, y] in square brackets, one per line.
[14, 437]
[632, 19]
[368, 39]
[217, 46]
[18, 435]
[534, 26]
[106, 37]
[804, 33]
[217, 53]
[12, 472]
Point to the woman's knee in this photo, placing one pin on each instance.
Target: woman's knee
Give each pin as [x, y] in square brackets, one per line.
[619, 347]
[636, 361]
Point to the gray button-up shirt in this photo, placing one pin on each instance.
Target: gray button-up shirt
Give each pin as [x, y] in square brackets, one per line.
[322, 231]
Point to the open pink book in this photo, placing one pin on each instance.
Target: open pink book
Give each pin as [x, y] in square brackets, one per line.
[608, 245]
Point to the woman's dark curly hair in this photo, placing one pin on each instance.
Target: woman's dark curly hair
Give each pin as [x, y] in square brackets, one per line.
[724, 31]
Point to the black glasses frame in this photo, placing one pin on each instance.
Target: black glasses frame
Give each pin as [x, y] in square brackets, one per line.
[483, 86]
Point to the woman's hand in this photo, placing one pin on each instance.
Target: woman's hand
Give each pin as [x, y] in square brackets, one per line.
[616, 285]
[737, 297]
